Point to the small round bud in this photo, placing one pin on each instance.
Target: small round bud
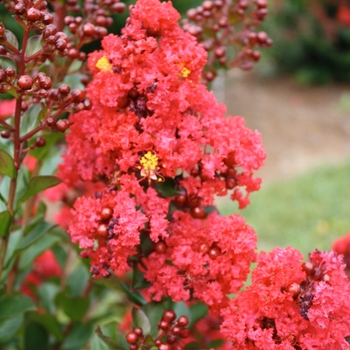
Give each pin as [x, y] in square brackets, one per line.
[40, 142]
[73, 53]
[203, 248]
[87, 104]
[62, 125]
[160, 247]
[214, 253]
[157, 342]
[294, 289]
[169, 316]
[118, 7]
[308, 268]
[230, 183]
[133, 347]
[50, 121]
[78, 95]
[262, 37]
[132, 338]
[64, 89]
[45, 82]
[180, 199]
[163, 325]
[47, 18]
[24, 105]
[33, 14]
[231, 172]
[102, 230]
[176, 330]
[197, 212]
[138, 331]
[10, 72]
[89, 29]
[164, 347]
[171, 339]
[5, 134]
[261, 3]
[182, 321]
[25, 82]
[106, 213]
[61, 45]
[20, 9]
[256, 55]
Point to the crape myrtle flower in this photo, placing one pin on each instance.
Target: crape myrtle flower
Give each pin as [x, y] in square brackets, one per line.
[209, 258]
[151, 121]
[291, 305]
[342, 246]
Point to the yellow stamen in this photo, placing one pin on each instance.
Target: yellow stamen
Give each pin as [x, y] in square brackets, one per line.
[185, 72]
[149, 161]
[104, 65]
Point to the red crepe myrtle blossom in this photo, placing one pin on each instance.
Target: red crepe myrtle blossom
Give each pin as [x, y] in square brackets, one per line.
[343, 15]
[342, 246]
[44, 266]
[291, 305]
[7, 108]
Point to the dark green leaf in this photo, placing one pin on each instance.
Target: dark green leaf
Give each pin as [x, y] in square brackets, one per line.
[138, 280]
[77, 281]
[13, 92]
[22, 183]
[110, 342]
[11, 38]
[140, 319]
[77, 337]
[38, 184]
[14, 305]
[37, 248]
[49, 322]
[5, 222]
[33, 45]
[135, 297]
[216, 343]
[154, 312]
[74, 308]
[9, 327]
[35, 233]
[194, 346]
[167, 188]
[7, 166]
[14, 241]
[198, 311]
[30, 118]
[6, 62]
[35, 337]
[47, 293]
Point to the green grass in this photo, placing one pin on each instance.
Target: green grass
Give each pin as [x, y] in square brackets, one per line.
[307, 212]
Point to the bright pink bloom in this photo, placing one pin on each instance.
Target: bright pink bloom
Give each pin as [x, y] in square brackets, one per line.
[342, 246]
[290, 305]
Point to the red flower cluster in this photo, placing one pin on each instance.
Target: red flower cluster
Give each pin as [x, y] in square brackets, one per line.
[342, 246]
[44, 266]
[291, 305]
[153, 121]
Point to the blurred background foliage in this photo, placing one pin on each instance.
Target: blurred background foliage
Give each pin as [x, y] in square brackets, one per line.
[311, 39]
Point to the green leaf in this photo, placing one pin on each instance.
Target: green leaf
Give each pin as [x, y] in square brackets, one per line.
[77, 337]
[7, 166]
[34, 234]
[154, 312]
[49, 322]
[77, 281]
[33, 45]
[30, 119]
[23, 178]
[135, 297]
[38, 184]
[35, 337]
[14, 305]
[11, 38]
[5, 223]
[167, 188]
[47, 293]
[111, 343]
[74, 308]
[74, 81]
[9, 327]
[198, 311]
[138, 280]
[6, 62]
[140, 319]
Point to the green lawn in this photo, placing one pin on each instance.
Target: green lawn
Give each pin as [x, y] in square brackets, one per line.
[307, 212]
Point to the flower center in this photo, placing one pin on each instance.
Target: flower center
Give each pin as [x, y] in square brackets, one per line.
[104, 65]
[149, 161]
